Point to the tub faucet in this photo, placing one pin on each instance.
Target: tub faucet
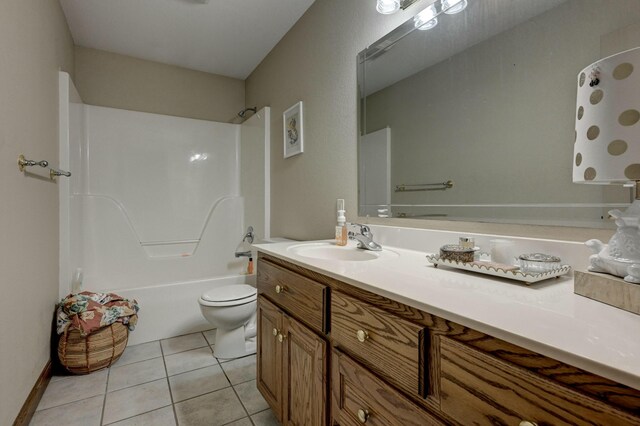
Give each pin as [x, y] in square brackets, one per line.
[363, 235]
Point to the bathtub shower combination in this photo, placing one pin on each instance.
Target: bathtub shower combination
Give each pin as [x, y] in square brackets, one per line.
[156, 206]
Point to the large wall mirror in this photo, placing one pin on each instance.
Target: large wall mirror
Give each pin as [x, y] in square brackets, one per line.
[474, 118]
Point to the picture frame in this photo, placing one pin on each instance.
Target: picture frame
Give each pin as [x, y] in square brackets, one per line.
[293, 134]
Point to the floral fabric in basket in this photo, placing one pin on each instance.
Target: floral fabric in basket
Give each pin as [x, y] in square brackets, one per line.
[88, 312]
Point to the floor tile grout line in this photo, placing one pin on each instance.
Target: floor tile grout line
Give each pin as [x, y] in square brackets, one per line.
[135, 362]
[166, 371]
[129, 387]
[237, 396]
[139, 414]
[186, 350]
[104, 399]
[182, 335]
[202, 394]
[68, 403]
[243, 382]
[173, 353]
[237, 420]
[205, 337]
[195, 369]
[137, 384]
[72, 376]
[255, 414]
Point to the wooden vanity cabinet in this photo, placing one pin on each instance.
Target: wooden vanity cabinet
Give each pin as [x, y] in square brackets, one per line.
[392, 364]
[292, 369]
[479, 389]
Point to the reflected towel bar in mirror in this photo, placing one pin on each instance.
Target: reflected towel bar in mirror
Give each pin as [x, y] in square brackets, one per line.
[441, 186]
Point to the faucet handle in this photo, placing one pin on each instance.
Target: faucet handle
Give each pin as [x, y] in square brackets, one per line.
[361, 229]
[249, 235]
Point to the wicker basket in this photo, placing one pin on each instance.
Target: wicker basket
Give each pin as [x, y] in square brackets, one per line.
[83, 355]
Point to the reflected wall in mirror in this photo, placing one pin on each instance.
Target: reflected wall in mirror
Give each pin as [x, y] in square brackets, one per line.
[486, 99]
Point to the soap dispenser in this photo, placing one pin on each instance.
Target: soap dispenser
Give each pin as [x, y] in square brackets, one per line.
[341, 228]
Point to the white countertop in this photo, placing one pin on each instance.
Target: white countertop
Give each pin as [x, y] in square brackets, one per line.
[546, 317]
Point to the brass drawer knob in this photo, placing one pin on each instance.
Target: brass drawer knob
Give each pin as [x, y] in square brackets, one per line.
[528, 423]
[362, 335]
[280, 338]
[279, 289]
[363, 415]
[275, 331]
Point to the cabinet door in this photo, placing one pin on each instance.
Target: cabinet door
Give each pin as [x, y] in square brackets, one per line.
[269, 354]
[305, 376]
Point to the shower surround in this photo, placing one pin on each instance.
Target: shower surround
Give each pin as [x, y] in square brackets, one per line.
[154, 208]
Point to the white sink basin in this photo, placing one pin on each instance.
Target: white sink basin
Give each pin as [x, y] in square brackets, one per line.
[330, 251]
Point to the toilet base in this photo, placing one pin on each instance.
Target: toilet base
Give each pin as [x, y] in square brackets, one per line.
[233, 344]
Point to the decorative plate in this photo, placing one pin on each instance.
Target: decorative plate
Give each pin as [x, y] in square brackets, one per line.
[516, 274]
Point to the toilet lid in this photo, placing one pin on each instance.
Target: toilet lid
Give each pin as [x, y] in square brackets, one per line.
[230, 293]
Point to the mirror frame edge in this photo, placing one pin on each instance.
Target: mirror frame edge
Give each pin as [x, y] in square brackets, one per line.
[552, 232]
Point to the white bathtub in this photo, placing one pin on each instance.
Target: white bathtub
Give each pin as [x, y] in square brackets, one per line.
[172, 309]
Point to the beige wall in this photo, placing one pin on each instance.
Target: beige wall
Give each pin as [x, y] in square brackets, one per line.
[118, 81]
[34, 43]
[316, 62]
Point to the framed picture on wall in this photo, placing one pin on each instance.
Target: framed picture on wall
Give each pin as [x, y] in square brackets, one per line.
[293, 134]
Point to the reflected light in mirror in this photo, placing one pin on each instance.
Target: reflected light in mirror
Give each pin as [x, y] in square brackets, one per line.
[452, 7]
[387, 7]
[426, 19]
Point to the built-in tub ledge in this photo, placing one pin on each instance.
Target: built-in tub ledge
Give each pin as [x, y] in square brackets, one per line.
[546, 317]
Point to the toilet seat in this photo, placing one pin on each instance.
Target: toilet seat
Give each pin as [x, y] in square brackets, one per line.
[230, 295]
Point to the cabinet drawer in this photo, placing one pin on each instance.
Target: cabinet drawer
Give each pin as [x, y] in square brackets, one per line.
[300, 296]
[479, 389]
[356, 392]
[390, 346]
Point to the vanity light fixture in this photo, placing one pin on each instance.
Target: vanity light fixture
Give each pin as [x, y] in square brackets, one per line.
[426, 19]
[387, 7]
[607, 151]
[451, 7]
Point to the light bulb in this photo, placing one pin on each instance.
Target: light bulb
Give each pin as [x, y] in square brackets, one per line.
[451, 7]
[387, 7]
[426, 19]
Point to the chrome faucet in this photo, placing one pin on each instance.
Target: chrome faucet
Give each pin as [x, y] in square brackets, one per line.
[248, 239]
[363, 235]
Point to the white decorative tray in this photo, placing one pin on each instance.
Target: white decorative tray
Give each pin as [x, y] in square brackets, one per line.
[526, 277]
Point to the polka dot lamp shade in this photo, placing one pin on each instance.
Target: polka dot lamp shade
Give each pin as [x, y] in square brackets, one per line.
[607, 140]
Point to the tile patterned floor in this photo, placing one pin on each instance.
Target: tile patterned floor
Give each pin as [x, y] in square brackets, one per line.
[171, 382]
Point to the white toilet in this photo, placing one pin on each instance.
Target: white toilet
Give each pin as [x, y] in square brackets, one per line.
[232, 310]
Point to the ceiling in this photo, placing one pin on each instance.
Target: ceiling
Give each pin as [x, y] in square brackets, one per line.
[226, 37]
